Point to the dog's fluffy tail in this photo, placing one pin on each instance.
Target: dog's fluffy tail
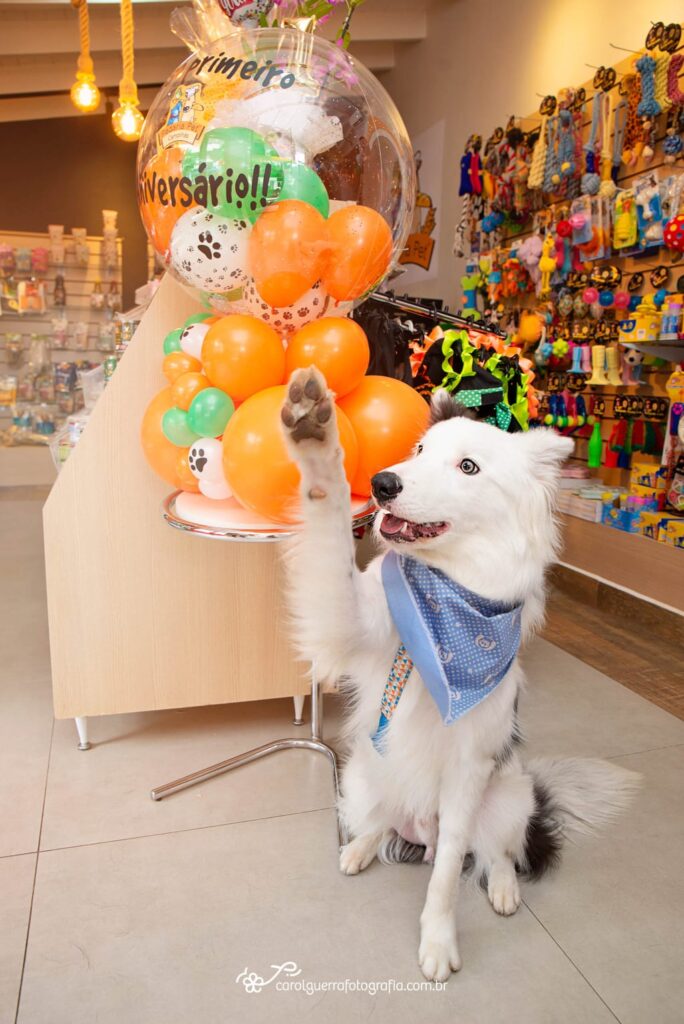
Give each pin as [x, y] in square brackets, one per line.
[571, 795]
[394, 849]
[568, 795]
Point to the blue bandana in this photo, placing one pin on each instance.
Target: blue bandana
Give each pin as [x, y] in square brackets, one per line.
[462, 644]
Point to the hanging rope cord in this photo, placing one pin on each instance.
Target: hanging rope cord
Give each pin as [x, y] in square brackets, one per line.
[128, 90]
[85, 61]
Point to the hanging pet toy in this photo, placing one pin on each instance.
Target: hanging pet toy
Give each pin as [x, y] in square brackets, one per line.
[547, 264]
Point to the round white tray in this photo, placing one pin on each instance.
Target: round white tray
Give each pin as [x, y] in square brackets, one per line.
[228, 520]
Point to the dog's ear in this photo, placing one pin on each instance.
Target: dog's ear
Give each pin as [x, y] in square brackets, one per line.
[547, 452]
[444, 406]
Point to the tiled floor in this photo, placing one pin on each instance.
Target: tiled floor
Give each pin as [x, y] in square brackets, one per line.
[117, 909]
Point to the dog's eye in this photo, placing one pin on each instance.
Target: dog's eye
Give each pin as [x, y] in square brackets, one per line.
[419, 449]
[468, 467]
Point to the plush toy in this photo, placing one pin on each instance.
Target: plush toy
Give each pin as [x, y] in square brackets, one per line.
[529, 253]
[470, 282]
[547, 264]
[471, 168]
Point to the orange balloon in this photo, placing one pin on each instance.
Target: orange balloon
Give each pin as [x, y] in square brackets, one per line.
[255, 460]
[388, 418]
[242, 355]
[160, 220]
[184, 473]
[185, 387]
[337, 346]
[287, 251]
[360, 250]
[178, 363]
[161, 454]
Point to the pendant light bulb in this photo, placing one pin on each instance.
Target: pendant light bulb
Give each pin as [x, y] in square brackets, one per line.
[85, 94]
[128, 121]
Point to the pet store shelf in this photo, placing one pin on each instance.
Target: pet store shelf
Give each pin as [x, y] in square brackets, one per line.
[643, 567]
[672, 351]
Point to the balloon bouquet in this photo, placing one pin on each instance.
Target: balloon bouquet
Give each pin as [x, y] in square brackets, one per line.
[276, 182]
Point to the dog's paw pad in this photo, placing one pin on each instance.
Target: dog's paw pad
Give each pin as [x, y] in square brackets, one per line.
[324, 410]
[308, 407]
[312, 388]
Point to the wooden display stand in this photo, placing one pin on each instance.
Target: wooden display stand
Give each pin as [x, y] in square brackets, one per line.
[141, 617]
[644, 568]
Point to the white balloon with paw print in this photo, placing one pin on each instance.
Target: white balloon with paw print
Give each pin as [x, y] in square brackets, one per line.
[286, 320]
[205, 459]
[192, 338]
[210, 252]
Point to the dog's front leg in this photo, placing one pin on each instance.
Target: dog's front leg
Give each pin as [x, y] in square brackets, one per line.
[460, 798]
[323, 577]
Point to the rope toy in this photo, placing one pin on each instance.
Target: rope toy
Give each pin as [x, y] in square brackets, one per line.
[675, 94]
[536, 175]
[607, 187]
[590, 179]
[632, 85]
[566, 147]
[661, 80]
[648, 106]
[552, 167]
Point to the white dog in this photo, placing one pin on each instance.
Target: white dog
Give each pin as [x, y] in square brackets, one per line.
[475, 504]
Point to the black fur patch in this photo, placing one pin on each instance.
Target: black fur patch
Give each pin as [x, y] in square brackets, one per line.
[544, 835]
[398, 850]
[444, 407]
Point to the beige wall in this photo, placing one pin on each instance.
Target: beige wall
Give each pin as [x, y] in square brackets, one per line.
[484, 60]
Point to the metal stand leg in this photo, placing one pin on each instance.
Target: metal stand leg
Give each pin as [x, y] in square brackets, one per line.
[290, 743]
[298, 710]
[82, 729]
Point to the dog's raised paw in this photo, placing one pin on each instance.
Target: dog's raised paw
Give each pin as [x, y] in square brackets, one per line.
[308, 407]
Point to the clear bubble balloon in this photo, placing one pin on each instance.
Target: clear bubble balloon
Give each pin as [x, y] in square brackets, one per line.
[271, 116]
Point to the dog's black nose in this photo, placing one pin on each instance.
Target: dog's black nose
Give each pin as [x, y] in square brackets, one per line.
[386, 486]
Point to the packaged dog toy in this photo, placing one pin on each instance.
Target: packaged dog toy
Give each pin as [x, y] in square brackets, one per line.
[649, 211]
[675, 492]
[625, 220]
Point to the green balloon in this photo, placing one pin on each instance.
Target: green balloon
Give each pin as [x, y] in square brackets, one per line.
[197, 318]
[172, 341]
[176, 429]
[247, 169]
[191, 162]
[209, 412]
[241, 145]
[300, 182]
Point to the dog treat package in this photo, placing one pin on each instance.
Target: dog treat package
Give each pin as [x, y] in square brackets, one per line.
[675, 492]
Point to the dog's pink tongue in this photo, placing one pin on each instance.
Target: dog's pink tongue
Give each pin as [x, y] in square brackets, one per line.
[391, 524]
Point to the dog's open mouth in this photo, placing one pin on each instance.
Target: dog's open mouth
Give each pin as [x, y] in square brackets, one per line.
[403, 530]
